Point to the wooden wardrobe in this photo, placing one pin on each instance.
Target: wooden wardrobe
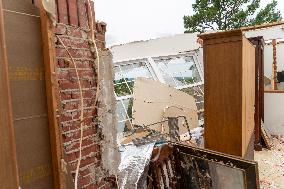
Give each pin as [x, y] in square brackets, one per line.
[229, 71]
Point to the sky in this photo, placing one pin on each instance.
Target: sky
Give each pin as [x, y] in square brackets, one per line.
[135, 20]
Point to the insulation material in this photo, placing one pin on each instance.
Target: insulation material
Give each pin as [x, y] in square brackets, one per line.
[154, 102]
[134, 160]
[49, 6]
[26, 74]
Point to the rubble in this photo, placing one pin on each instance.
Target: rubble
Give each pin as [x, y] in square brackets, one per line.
[271, 164]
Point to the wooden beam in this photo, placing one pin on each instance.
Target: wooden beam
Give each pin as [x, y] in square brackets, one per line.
[274, 67]
[8, 162]
[49, 54]
[272, 91]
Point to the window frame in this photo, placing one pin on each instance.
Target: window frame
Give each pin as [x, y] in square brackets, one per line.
[157, 75]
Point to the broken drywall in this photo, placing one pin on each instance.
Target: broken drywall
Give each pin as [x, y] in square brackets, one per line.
[155, 101]
[106, 113]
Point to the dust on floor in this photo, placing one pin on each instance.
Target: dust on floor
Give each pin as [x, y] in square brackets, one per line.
[271, 165]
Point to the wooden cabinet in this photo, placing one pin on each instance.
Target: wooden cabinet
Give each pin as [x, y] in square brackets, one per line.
[229, 68]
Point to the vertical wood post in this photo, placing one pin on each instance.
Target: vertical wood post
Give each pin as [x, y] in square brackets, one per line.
[47, 30]
[8, 162]
[274, 66]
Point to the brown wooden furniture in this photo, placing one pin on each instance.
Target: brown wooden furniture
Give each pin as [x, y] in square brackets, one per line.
[229, 67]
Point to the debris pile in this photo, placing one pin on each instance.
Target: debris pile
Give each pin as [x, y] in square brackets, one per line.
[271, 164]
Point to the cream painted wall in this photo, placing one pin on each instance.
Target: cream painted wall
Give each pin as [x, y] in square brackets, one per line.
[274, 113]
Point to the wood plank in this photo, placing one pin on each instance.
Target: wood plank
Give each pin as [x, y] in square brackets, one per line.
[272, 91]
[259, 89]
[248, 98]
[47, 30]
[265, 137]
[8, 163]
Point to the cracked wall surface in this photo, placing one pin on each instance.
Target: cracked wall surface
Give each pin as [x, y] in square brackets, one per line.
[107, 113]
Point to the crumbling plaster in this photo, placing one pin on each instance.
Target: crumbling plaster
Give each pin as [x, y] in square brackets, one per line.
[107, 114]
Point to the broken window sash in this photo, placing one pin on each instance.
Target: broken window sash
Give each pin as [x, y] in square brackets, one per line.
[179, 71]
[188, 78]
[125, 74]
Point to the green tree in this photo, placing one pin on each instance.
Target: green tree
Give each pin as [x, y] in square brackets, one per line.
[229, 14]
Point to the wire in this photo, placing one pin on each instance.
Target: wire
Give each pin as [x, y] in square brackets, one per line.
[96, 48]
[82, 113]
[91, 24]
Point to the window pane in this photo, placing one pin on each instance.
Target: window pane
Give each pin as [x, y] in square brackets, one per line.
[122, 89]
[178, 71]
[121, 114]
[125, 75]
[128, 104]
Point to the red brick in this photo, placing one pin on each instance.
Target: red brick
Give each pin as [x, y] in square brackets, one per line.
[84, 162]
[85, 172]
[65, 84]
[65, 117]
[62, 11]
[75, 146]
[80, 64]
[85, 180]
[90, 149]
[87, 113]
[93, 12]
[71, 106]
[99, 28]
[77, 134]
[100, 37]
[61, 52]
[71, 157]
[86, 94]
[76, 32]
[100, 45]
[61, 63]
[65, 95]
[83, 17]
[75, 42]
[81, 53]
[63, 75]
[60, 29]
[75, 125]
[73, 16]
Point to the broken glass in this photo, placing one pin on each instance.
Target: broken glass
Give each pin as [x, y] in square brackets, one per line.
[125, 75]
[178, 71]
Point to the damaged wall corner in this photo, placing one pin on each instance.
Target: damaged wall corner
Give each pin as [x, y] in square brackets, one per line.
[107, 113]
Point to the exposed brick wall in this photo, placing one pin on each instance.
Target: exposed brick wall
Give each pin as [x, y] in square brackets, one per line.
[74, 31]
